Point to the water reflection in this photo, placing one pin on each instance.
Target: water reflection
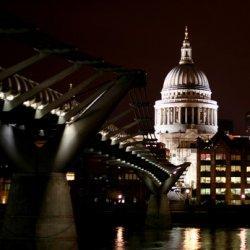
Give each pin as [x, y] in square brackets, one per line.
[243, 239]
[177, 238]
[191, 239]
[119, 240]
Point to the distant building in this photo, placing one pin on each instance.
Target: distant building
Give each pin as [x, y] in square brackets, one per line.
[185, 112]
[223, 170]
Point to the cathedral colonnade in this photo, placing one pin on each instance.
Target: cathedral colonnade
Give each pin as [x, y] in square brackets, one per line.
[193, 114]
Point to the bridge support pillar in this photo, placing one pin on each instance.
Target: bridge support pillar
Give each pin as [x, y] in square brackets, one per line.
[39, 214]
[158, 213]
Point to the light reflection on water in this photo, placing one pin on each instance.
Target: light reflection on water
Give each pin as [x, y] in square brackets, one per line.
[119, 240]
[190, 238]
[243, 239]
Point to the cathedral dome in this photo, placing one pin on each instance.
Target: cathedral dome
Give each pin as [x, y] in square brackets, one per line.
[186, 76]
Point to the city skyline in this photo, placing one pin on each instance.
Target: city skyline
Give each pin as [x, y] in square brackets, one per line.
[149, 36]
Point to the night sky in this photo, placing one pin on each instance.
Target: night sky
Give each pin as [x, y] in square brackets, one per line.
[149, 34]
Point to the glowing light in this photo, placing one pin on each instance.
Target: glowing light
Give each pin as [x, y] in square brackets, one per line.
[243, 239]
[119, 241]
[10, 97]
[119, 196]
[1, 95]
[4, 199]
[33, 105]
[40, 107]
[26, 103]
[70, 176]
[187, 191]
[191, 239]
[243, 196]
[123, 200]
[53, 111]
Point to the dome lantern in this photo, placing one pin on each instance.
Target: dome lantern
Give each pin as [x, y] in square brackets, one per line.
[186, 50]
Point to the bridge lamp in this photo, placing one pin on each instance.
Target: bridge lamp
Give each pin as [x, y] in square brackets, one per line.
[62, 113]
[1, 95]
[53, 111]
[119, 196]
[33, 105]
[10, 97]
[123, 200]
[40, 107]
[26, 103]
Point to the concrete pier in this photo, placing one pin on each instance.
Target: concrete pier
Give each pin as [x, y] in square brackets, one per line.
[158, 213]
[39, 214]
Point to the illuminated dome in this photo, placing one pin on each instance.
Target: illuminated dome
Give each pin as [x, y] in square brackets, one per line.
[186, 76]
[186, 99]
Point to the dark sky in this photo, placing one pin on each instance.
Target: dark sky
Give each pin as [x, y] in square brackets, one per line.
[148, 35]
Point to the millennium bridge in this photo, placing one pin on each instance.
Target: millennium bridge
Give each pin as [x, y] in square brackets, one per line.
[46, 123]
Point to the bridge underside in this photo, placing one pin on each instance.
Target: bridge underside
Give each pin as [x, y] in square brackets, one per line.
[42, 130]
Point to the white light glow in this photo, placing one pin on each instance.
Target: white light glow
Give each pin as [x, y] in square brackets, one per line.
[70, 176]
[40, 107]
[10, 97]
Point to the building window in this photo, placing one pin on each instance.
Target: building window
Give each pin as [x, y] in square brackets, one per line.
[247, 192]
[205, 191]
[220, 168]
[220, 156]
[235, 191]
[248, 168]
[235, 202]
[248, 180]
[205, 179]
[235, 179]
[235, 168]
[235, 157]
[220, 191]
[220, 179]
[205, 168]
[205, 157]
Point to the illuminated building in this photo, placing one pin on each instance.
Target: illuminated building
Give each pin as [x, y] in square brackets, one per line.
[185, 112]
[223, 170]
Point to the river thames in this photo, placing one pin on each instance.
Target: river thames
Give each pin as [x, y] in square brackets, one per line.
[186, 238]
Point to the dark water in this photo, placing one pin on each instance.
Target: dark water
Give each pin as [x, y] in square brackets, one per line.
[186, 238]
